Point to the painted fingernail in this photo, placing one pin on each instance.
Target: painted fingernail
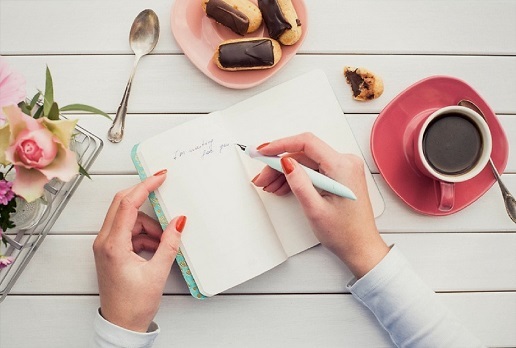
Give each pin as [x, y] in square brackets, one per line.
[287, 164]
[180, 223]
[256, 177]
[161, 172]
[262, 146]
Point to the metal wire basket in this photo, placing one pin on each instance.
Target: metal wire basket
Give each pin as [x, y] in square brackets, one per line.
[24, 240]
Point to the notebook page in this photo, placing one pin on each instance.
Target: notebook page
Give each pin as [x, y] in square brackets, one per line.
[304, 104]
[228, 238]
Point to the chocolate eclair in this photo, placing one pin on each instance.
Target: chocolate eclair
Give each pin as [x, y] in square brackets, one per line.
[241, 16]
[281, 20]
[247, 54]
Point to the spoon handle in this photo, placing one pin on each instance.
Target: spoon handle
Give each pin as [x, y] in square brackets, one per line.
[116, 132]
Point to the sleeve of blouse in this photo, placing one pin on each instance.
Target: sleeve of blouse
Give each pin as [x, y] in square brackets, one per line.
[108, 335]
[407, 308]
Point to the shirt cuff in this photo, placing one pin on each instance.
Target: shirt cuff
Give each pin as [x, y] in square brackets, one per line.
[110, 335]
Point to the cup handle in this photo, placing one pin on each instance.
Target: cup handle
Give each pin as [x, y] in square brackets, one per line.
[447, 198]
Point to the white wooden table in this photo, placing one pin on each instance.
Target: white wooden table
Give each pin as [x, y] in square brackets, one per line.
[469, 258]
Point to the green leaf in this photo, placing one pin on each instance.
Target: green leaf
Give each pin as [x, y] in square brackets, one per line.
[87, 108]
[38, 113]
[24, 108]
[83, 171]
[53, 114]
[34, 100]
[49, 93]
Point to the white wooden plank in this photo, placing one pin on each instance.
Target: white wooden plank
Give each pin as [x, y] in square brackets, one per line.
[447, 262]
[86, 209]
[247, 321]
[115, 158]
[171, 84]
[334, 26]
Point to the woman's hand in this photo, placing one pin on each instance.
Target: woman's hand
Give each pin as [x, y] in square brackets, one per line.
[344, 226]
[131, 287]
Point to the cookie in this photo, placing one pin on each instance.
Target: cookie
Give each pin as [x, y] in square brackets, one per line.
[364, 83]
[241, 16]
[247, 54]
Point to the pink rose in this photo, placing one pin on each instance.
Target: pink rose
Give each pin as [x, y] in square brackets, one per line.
[12, 85]
[39, 151]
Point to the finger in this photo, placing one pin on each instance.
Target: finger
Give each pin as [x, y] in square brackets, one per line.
[283, 190]
[302, 187]
[110, 215]
[266, 177]
[304, 160]
[127, 212]
[312, 146]
[148, 225]
[143, 242]
[169, 244]
[276, 184]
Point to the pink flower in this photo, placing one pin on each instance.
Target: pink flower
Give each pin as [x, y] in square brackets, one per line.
[39, 151]
[5, 261]
[6, 192]
[12, 87]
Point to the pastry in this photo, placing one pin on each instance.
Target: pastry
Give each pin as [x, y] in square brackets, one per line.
[247, 54]
[241, 16]
[281, 20]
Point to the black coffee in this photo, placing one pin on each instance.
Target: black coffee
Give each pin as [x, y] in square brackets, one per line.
[452, 144]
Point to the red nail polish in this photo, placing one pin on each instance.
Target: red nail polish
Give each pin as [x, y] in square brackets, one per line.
[287, 165]
[256, 177]
[262, 146]
[180, 223]
[161, 172]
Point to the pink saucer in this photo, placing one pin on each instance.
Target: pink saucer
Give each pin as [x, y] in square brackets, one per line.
[198, 36]
[392, 144]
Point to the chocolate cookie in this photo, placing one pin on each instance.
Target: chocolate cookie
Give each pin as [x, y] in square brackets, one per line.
[364, 83]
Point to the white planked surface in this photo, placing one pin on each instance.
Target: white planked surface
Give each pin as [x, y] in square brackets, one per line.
[249, 321]
[467, 257]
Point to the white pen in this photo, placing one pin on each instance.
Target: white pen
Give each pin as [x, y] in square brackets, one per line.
[318, 180]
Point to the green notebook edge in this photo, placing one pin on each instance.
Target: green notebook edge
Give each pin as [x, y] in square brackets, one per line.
[180, 259]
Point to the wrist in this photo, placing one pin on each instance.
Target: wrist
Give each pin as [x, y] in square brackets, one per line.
[128, 322]
[362, 258]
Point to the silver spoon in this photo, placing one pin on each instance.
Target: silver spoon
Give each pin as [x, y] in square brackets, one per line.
[510, 202]
[143, 37]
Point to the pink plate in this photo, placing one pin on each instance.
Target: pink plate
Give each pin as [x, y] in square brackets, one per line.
[392, 149]
[198, 36]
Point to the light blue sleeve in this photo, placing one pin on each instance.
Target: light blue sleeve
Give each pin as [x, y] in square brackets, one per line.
[407, 308]
[108, 335]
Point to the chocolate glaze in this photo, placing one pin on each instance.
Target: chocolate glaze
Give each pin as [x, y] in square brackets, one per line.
[228, 16]
[273, 17]
[355, 80]
[246, 54]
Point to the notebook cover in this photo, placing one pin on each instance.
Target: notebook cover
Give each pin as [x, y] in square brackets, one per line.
[183, 266]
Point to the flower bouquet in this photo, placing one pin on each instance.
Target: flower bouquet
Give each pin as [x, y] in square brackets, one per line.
[43, 157]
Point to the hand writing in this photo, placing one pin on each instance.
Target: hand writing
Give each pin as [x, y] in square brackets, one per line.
[131, 287]
[345, 227]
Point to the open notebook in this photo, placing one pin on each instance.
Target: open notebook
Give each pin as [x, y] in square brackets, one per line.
[236, 231]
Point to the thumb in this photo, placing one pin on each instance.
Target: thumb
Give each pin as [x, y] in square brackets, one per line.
[169, 244]
[301, 186]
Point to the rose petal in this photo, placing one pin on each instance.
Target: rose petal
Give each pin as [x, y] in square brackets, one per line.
[4, 143]
[64, 167]
[19, 122]
[63, 129]
[29, 183]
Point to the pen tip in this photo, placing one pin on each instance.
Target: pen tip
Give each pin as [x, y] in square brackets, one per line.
[241, 146]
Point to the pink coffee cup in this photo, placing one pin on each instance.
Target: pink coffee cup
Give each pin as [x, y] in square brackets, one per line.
[452, 145]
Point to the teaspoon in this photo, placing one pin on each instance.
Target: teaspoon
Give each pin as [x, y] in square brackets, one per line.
[143, 37]
[510, 202]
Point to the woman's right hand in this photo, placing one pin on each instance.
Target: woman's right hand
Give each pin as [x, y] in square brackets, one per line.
[344, 226]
